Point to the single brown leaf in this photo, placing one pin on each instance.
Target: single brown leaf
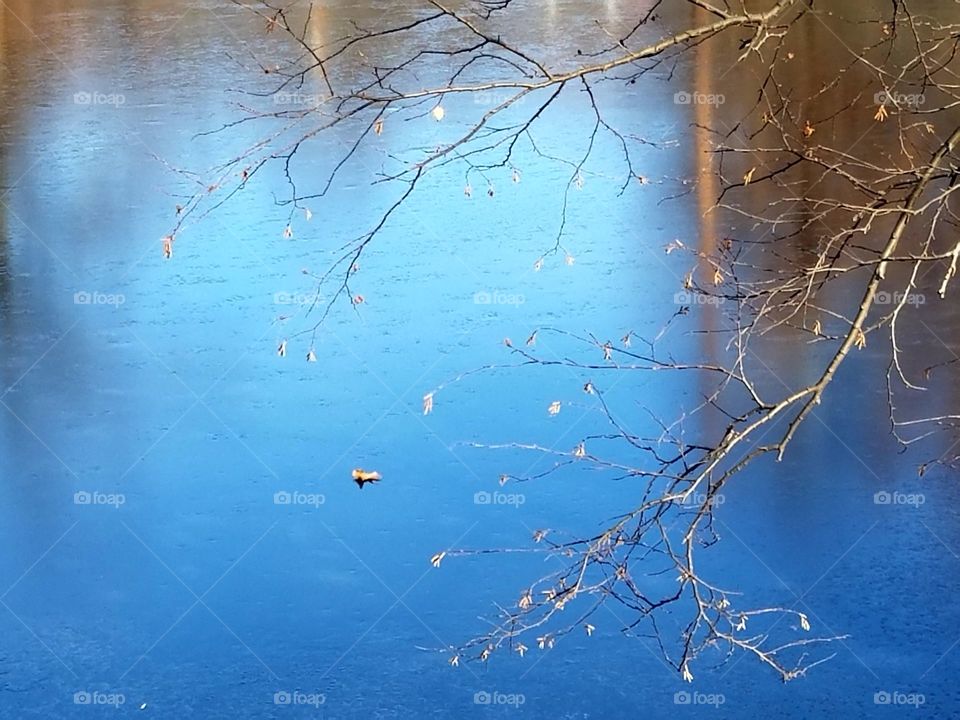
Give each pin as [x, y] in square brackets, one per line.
[361, 477]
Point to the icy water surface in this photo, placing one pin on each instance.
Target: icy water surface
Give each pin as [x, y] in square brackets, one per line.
[199, 595]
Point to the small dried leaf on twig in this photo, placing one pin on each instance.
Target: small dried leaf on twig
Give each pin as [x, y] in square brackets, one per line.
[438, 112]
[428, 403]
[526, 600]
[532, 340]
[861, 340]
[438, 558]
[282, 349]
[554, 408]
[748, 176]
